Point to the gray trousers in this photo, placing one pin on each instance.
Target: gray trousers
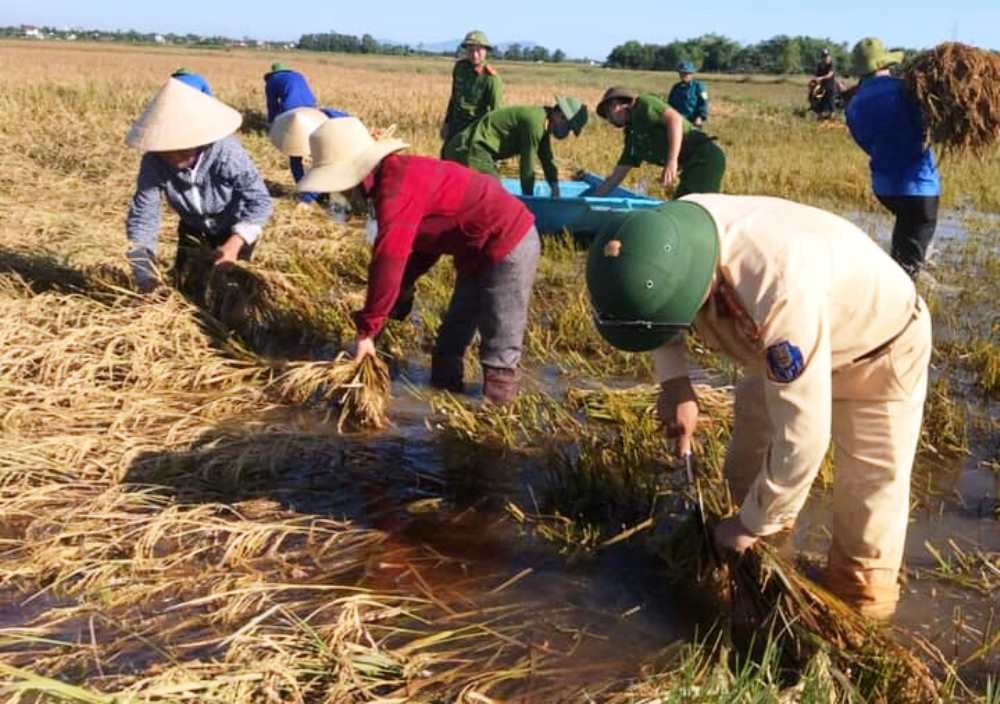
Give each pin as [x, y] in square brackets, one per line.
[495, 302]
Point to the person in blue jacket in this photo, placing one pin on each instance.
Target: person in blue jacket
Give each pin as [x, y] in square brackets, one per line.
[889, 126]
[689, 96]
[194, 80]
[285, 90]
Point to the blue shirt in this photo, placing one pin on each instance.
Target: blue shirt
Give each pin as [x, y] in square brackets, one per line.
[195, 81]
[889, 126]
[689, 99]
[286, 90]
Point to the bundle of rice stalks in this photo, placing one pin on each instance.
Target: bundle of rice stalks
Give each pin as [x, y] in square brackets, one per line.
[773, 605]
[262, 306]
[958, 87]
[358, 390]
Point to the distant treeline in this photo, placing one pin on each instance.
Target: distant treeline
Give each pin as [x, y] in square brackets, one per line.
[713, 52]
[367, 44]
[131, 36]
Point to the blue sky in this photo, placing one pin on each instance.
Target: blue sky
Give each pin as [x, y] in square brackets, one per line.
[584, 28]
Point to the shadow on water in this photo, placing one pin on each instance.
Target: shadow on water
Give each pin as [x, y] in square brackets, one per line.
[439, 499]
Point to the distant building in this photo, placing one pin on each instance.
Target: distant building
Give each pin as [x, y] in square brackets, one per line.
[160, 39]
[32, 31]
[71, 37]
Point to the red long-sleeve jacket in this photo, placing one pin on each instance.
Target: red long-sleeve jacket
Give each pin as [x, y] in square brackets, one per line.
[426, 208]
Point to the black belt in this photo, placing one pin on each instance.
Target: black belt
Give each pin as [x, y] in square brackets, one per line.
[888, 343]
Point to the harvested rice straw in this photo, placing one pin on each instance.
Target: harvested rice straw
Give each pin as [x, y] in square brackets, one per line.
[360, 390]
[958, 87]
[770, 597]
[255, 302]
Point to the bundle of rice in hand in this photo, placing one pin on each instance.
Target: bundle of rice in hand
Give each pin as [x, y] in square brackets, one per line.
[262, 306]
[769, 604]
[358, 391]
[958, 87]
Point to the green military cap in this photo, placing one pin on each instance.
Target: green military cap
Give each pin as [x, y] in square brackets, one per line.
[869, 55]
[648, 278]
[613, 93]
[278, 66]
[182, 71]
[476, 38]
[575, 112]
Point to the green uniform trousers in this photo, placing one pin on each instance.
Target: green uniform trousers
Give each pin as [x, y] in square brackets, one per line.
[702, 170]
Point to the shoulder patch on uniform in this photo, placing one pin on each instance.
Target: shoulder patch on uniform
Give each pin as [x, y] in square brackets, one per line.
[784, 362]
[704, 95]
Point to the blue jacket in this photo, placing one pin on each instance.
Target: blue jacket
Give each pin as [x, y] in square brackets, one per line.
[195, 81]
[889, 126]
[689, 99]
[286, 90]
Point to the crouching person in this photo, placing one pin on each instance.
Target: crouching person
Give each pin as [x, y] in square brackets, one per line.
[191, 157]
[423, 209]
[833, 340]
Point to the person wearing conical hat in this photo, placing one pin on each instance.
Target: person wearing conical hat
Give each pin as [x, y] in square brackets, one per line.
[889, 126]
[658, 134]
[195, 80]
[475, 86]
[290, 134]
[689, 96]
[421, 209]
[190, 157]
[521, 131]
[834, 343]
[286, 90]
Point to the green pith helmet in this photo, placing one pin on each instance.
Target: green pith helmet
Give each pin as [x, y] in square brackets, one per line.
[476, 38]
[648, 278]
[278, 66]
[181, 72]
[575, 112]
[869, 55]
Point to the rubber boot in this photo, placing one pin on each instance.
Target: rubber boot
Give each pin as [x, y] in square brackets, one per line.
[500, 385]
[446, 374]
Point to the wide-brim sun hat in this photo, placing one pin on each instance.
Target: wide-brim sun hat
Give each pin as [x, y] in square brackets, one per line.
[870, 55]
[343, 154]
[648, 277]
[574, 111]
[611, 94]
[181, 117]
[291, 129]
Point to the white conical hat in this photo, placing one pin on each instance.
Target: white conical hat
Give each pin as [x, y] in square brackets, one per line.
[291, 129]
[182, 117]
[343, 154]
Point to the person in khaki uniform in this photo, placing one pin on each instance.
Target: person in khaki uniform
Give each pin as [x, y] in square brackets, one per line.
[834, 343]
[476, 88]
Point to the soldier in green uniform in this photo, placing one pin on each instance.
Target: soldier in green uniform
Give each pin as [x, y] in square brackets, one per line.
[522, 131]
[689, 96]
[475, 87]
[658, 134]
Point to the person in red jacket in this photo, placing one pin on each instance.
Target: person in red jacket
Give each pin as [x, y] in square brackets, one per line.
[425, 208]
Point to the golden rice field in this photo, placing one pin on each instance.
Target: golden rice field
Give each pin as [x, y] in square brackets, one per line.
[179, 522]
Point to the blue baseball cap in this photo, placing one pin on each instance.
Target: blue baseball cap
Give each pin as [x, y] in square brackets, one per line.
[685, 67]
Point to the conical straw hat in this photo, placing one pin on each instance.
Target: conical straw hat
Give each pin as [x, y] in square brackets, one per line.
[291, 129]
[343, 154]
[181, 117]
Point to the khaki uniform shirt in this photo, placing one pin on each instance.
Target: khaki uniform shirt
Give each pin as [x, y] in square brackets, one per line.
[474, 92]
[813, 293]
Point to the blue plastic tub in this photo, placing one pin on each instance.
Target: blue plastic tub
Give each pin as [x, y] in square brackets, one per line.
[579, 215]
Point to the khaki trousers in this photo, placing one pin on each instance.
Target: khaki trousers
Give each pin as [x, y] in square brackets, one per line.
[877, 412]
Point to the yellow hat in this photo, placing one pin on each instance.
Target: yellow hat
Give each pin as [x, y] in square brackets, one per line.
[343, 154]
[182, 117]
[291, 129]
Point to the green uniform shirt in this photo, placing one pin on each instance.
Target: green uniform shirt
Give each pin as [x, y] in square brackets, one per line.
[646, 134]
[517, 131]
[473, 94]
